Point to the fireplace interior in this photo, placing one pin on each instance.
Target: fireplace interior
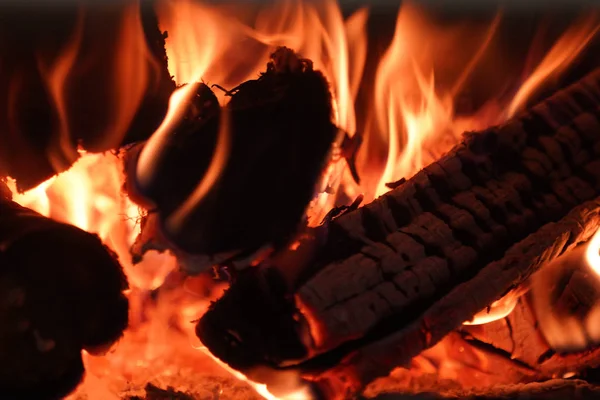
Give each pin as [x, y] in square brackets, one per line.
[301, 200]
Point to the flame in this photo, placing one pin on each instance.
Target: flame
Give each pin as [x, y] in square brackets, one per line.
[410, 119]
[564, 51]
[497, 310]
[108, 96]
[56, 77]
[569, 323]
[148, 159]
[408, 108]
[300, 391]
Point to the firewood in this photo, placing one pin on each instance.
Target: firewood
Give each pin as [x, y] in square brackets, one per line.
[280, 131]
[61, 292]
[400, 273]
[556, 389]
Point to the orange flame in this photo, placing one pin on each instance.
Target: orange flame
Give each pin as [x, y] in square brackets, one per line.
[123, 81]
[147, 163]
[564, 51]
[592, 253]
[407, 106]
[497, 310]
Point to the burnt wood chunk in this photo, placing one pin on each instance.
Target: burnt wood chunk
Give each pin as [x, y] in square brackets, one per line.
[61, 291]
[279, 132]
[523, 195]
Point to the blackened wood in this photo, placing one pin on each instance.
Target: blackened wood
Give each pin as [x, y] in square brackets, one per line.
[280, 133]
[398, 274]
[519, 262]
[556, 389]
[62, 291]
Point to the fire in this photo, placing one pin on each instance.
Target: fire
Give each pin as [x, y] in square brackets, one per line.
[565, 327]
[411, 118]
[497, 310]
[74, 87]
[592, 253]
[556, 60]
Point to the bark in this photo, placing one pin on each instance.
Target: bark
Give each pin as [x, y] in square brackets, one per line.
[62, 291]
[399, 274]
[556, 389]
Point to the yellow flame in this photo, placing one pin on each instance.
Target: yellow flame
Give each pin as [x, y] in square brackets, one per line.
[497, 310]
[296, 393]
[148, 159]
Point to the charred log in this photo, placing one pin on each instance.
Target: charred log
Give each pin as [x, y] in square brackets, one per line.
[556, 389]
[62, 291]
[279, 131]
[400, 273]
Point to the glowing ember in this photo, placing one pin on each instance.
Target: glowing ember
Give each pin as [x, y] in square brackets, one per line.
[302, 393]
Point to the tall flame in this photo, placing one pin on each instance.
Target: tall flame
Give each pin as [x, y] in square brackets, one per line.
[56, 78]
[564, 51]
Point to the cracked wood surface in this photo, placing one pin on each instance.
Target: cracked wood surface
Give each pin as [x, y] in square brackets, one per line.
[377, 358]
[448, 221]
[556, 389]
[400, 273]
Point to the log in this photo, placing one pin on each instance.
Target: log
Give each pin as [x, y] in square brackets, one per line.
[556, 389]
[398, 274]
[61, 291]
[279, 132]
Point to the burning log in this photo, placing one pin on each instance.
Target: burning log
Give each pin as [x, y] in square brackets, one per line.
[397, 275]
[556, 389]
[61, 292]
[278, 132]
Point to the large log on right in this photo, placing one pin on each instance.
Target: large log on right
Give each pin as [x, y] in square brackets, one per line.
[397, 275]
[556, 389]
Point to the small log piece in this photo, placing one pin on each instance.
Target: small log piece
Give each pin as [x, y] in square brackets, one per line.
[61, 291]
[279, 130]
[398, 274]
